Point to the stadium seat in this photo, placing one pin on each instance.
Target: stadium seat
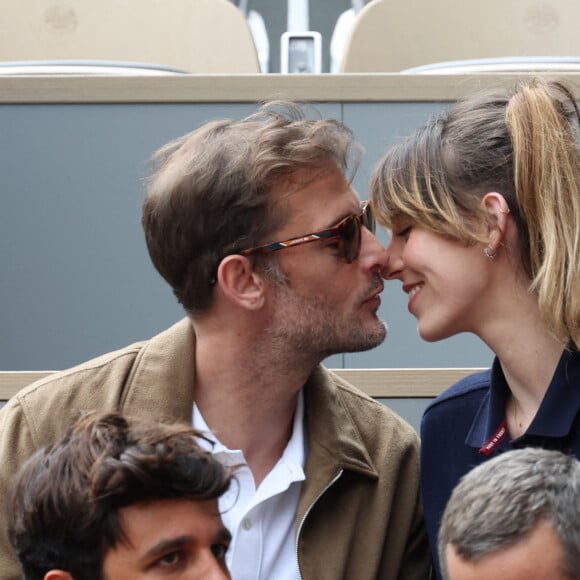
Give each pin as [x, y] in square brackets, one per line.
[196, 36]
[394, 35]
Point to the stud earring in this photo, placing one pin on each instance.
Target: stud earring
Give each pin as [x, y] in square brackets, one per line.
[489, 252]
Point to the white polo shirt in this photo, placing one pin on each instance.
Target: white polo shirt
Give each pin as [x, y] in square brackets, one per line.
[262, 521]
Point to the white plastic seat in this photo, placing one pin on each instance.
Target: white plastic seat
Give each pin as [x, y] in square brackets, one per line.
[395, 35]
[197, 36]
[84, 68]
[513, 64]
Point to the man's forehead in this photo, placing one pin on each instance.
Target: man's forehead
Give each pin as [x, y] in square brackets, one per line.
[538, 555]
[312, 212]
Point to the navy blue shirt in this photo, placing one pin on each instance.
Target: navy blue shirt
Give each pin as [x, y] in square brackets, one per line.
[466, 425]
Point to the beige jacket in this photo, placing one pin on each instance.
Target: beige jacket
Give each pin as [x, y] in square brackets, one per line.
[359, 515]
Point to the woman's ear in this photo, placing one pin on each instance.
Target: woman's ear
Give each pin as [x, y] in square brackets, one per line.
[498, 211]
[240, 283]
[496, 205]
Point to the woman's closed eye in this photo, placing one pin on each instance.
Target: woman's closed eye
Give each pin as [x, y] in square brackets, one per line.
[403, 232]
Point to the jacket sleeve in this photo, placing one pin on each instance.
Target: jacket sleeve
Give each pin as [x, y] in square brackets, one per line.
[416, 564]
[16, 444]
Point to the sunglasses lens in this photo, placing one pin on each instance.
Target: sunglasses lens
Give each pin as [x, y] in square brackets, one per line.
[350, 233]
[368, 218]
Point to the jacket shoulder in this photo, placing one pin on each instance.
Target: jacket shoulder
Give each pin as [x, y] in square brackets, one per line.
[452, 412]
[110, 366]
[95, 384]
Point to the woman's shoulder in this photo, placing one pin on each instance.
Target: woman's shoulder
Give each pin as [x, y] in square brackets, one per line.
[470, 389]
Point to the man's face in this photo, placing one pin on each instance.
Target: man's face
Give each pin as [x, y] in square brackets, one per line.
[538, 556]
[172, 538]
[327, 305]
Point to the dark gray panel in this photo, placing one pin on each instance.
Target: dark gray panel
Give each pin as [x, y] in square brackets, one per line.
[75, 278]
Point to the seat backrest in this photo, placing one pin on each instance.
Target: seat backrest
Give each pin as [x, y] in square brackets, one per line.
[198, 36]
[393, 35]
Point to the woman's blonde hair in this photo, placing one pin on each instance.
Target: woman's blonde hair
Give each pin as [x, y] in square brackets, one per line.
[523, 144]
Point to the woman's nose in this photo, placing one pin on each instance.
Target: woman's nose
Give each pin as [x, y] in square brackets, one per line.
[394, 265]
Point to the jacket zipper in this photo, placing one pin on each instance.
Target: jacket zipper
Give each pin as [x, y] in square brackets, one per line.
[328, 486]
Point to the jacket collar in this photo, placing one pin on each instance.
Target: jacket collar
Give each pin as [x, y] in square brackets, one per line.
[161, 381]
[333, 436]
[335, 444]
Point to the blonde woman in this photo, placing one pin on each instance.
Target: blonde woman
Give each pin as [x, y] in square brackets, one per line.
[484, 208]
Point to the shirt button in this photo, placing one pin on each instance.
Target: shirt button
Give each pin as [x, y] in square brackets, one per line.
[247, 524]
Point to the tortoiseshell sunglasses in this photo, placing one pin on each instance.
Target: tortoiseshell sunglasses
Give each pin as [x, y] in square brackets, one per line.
[347, 232]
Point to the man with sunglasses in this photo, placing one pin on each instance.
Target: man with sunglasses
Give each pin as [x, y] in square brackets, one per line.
[256, 227]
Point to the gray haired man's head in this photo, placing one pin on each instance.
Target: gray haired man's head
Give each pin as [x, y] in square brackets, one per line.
[501, 502]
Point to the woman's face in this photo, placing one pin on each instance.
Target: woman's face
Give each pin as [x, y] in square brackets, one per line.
[446, 281]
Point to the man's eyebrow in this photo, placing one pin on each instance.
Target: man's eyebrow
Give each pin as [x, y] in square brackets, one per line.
[164, 546]
[340, 219]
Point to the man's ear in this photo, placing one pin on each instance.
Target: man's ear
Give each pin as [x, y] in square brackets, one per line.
[58, 575]
[240, 283]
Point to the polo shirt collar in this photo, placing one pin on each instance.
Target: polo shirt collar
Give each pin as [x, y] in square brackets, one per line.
[554, 418]
[294, 455]
[562, 401]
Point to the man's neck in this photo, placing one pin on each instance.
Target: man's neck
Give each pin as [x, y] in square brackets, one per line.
[247, 404]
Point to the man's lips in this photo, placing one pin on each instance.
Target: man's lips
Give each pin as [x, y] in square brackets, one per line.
[375, 297]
